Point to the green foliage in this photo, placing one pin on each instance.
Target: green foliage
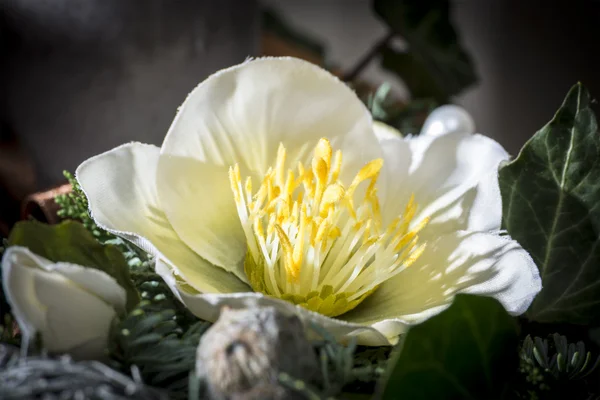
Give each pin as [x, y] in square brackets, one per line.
[160, 336]
[74, 205]
[563, 360]
[347, 368]
[160, 344]
[435, 64]
[556, 369]
[550, 198]
[70, 242]
[551, 206]
[469, 351]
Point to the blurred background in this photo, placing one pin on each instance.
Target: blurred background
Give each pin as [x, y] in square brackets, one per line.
[79, 77]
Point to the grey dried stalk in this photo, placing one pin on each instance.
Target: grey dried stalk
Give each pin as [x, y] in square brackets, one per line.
[41, 377]
[244, 352]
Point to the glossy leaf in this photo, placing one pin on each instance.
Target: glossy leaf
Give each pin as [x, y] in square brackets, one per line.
[551, 206]
[468, 351]
[435, 64]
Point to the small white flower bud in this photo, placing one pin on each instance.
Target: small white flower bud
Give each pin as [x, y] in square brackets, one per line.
[71, 307]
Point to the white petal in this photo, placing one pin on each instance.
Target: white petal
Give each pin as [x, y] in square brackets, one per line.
[208, 306]
[94, 281]
[241, 115]
[384, 131]
[205, 217]
[448, 119]
[461, 262]
[397, 159]
[67, 316]
[121, 188]
[454, 178]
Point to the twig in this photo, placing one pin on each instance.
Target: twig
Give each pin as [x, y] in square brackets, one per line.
[368, 57]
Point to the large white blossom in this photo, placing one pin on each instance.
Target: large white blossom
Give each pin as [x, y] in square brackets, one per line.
[274, 187]
[71, 307]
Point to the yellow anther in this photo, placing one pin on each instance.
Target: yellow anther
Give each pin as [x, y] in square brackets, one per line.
[248, 187]
[334, 233]
[404, 240]
[300, 197]
[258, 229]
[422, 224]
[294, 225]
[322, 231]
[321, 170]
[271, 225]
[288, 253]
[333, 194]
[414, 255]
[234, 182]
[301, 170]
[369, 171]
[272, 189]
[323, 151]
[295, 212]
[393, 226]
[280, 163]
[368, 229]
[290, 183]
[308, 183]
[411, 209]
[337, 166]
[299, 245]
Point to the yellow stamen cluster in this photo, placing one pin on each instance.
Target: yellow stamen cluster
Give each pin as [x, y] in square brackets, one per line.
[310, 243]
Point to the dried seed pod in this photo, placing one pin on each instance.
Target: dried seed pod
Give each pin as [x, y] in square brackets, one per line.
[242, 354]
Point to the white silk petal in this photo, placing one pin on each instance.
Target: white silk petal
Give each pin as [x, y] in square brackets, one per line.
[461, 262]
[93, 281]
[384, 131]
[454, 178]
[121, 189]
[446, 119]
[241, 115]
[397, 158]
[208, 307]
[72, 316]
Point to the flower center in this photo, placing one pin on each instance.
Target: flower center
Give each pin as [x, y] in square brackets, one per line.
[311, 243]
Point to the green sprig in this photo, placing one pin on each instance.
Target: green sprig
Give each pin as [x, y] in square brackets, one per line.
[348, 368]
[555, 368]
[160, 343]
[74, 205]
[559, 358]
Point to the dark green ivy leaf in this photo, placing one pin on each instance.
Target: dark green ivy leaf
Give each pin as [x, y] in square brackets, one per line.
[70, 242]
[468, 351]
[551, 206]
[435, 66]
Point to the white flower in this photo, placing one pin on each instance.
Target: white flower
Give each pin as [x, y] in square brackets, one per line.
[274, 187]
[70, 306]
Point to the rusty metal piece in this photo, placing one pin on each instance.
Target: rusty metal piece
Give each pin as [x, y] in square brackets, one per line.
[42, 207]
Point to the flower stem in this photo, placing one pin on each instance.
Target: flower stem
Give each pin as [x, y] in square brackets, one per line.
[368, 57]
